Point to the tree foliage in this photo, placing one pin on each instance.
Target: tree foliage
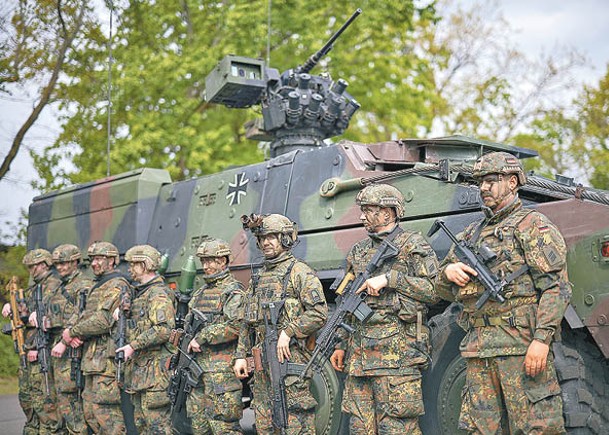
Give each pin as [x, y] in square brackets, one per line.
[37, 41]
[162, 51]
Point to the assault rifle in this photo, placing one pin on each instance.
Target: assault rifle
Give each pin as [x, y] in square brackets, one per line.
[17, 326]
[493, 286]
[121, 338]
[277, 371]
[350, 303]
[187, 371]
[76, 373]
[42, 338]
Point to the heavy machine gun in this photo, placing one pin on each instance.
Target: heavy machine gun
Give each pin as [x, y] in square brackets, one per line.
[18, 318]
[299, 110]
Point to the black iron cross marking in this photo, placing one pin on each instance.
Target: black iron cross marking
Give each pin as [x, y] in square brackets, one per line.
[237, 188]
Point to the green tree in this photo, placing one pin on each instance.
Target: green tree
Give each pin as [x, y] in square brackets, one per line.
[162, 52]
[490, 89]
[36, 44]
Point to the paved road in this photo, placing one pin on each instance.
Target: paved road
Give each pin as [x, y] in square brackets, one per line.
[11, 416]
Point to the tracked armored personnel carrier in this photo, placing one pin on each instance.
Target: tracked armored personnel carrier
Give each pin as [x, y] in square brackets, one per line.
[314, 182]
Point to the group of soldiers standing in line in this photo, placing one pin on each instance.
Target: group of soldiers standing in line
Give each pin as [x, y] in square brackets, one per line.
[511, 385]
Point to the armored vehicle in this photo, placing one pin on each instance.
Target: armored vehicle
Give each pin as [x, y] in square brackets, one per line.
[314, 182]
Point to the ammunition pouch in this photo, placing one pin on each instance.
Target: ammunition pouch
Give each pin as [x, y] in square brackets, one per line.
[176, 336]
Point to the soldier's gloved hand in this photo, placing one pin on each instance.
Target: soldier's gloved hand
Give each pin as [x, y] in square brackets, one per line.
[374, 285]
[32, 355]
[240, 368]
[459, 273]
[193, 346]
[338, 360]
[33, 320]
[536, 359]
[128, 351]
[58, 350]
[6, 310]
[283, 347]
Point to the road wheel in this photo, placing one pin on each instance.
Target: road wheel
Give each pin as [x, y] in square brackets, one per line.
[444, 379]
[583, 374]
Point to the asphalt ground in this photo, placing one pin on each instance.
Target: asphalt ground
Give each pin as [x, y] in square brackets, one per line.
[12, 418]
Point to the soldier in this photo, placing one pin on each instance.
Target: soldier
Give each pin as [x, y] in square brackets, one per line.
[152, 317]
[511, 384]
[40, 410]
[96, 328]
[283, 279]
[215, 407]
[62, 308]
[383, 358]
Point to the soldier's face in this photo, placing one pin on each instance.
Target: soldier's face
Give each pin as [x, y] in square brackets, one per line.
[213, 265]
[101, 264]
[37, 270]
[375, 218]
[497, 190]
[66, 268]
[136, 270]
[270, 245]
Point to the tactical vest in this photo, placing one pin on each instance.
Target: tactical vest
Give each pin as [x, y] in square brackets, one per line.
[501, 240]
[272, 285]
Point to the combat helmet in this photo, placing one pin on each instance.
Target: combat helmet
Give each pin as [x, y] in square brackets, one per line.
[382, 195]
[144, 254]
[104, 249]
[214, 248]
[499, 163]
[36, 256]
[261, 225]
[65, 253]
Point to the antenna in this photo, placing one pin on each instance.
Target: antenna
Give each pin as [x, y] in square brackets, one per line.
[268, 36]
[109, 133]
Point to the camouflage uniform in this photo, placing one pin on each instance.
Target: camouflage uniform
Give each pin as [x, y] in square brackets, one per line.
[215, 406]
[385, 355]
[101, 396]
[305, 311]
[62, 309]
[40, 410]
[498, 396]
[146, 378]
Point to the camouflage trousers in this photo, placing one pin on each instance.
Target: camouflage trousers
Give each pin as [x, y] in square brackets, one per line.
[69, 403]
[40, 410]
[300, 402]
[215, 407]
[102, 405]
[499, 398]
[152, 412]
[383, 404]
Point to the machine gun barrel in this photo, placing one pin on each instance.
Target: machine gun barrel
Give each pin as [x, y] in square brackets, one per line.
[493, 287]
[312, 61]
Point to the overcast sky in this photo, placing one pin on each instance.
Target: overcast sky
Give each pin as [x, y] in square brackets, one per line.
[540, 25]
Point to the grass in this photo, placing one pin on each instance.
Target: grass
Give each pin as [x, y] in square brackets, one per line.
[9, 386]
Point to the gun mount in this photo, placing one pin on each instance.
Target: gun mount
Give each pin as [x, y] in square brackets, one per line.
[299, 110]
